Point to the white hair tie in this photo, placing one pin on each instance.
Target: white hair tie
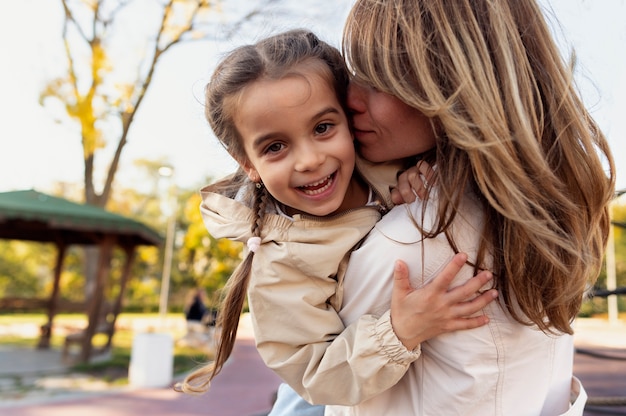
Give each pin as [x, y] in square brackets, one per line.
[254, 243]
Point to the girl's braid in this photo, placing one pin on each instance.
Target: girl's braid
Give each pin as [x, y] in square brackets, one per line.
[259, 205]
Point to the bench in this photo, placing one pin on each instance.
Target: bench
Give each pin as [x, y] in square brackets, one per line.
[77, 339]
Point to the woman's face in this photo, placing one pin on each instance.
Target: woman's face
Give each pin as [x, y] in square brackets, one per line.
[385, 127]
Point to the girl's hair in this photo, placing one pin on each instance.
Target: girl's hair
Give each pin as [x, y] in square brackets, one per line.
[510, 126]
[272, 58]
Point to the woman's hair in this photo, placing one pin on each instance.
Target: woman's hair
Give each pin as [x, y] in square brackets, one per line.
[511, 126]
[272, 58]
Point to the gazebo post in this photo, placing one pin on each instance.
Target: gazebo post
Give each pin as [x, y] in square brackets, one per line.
[129, 251]
[95, 303]
[46, 329]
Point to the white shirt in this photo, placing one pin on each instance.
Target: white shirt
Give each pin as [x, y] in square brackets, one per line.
[503, 368]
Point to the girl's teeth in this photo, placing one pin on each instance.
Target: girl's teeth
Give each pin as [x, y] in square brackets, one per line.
[315, 188]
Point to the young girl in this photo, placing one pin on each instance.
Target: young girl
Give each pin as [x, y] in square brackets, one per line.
[278, 108]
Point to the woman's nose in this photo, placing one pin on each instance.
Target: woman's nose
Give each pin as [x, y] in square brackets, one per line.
[356, 97]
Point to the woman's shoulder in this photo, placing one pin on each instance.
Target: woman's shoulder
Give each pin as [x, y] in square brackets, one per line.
[403, 223]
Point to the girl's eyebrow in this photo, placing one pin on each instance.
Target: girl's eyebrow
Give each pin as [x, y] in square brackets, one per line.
[261, 139]
[325, 111]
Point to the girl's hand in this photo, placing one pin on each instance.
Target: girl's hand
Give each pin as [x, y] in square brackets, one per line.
[413, 182]
[420, 314]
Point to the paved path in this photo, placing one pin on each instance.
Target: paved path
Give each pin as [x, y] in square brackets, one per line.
[600, 364]
[604, 380]
[246, 387]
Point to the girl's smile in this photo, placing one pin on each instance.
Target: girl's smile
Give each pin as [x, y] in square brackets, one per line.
[318, 187]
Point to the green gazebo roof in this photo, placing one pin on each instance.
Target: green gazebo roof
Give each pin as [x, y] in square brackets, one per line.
[34, 216]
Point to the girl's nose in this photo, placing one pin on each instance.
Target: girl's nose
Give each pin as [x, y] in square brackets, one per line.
[308, 158]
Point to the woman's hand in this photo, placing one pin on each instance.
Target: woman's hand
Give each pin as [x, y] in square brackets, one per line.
[420, 314]
[413, 182]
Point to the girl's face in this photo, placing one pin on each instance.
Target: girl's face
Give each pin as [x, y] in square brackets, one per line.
[298, 141]
[385, 127]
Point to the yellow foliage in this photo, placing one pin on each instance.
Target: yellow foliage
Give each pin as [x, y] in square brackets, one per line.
[192, 210]
[84, 113]
[100, 62]
[230, 248]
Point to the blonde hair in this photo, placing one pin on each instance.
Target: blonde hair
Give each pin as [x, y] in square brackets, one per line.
[274, 57]
[511, 127]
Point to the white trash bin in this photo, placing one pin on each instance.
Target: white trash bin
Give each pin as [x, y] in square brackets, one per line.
[151, 360]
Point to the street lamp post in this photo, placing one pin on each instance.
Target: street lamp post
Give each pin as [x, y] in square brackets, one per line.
[152, 354]
[611, 278]
[169, 209]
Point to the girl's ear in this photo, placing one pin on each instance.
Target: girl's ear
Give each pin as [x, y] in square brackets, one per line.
[252, 173]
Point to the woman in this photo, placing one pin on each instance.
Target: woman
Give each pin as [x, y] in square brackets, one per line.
[520, 186]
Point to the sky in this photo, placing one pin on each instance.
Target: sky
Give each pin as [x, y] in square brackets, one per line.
[36, 152]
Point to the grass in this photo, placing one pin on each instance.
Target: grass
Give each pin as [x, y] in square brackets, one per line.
[113, 370]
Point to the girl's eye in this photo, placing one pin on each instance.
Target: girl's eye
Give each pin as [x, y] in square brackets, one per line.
[322, 128]
[274, 148]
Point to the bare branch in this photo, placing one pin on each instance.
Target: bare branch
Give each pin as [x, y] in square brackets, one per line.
[70, 17]
[121, 5]
[94, 22]
[236, 27]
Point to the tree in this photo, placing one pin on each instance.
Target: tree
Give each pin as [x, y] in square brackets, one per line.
[89, 92]
[106, 79]
[21, 271]
[598, 304]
